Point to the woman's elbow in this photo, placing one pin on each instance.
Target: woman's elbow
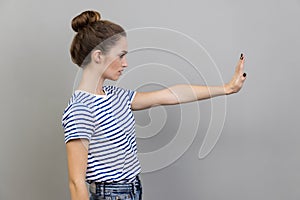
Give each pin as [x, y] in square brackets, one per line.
[76, 184]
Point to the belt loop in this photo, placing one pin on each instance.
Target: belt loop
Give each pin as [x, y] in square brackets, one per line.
[133, 188]
[96, 189]
[104, 190]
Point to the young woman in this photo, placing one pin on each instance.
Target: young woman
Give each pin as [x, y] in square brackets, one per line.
[98, 121]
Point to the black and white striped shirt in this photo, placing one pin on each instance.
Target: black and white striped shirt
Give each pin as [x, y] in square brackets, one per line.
[108, 123]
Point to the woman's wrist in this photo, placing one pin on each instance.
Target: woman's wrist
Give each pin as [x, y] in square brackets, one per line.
[228, 89]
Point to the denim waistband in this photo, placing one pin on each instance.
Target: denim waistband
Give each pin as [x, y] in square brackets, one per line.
[104, 188]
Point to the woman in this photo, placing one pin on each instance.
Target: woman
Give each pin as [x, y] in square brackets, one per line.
[98, 121]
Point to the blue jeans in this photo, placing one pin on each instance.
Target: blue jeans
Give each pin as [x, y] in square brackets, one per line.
[116, 191]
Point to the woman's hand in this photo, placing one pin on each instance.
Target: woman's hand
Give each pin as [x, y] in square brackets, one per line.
[237, 81]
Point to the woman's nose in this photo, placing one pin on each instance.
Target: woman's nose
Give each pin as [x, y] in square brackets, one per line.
[124, 62]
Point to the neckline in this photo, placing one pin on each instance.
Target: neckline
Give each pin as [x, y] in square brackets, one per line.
[97, 95]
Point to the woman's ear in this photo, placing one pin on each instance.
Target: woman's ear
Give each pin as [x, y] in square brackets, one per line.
[97, 56]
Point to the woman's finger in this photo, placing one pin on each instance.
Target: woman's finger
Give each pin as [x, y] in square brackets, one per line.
[240, 66]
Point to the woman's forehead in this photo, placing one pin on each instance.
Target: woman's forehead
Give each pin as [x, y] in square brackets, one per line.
[120, 46]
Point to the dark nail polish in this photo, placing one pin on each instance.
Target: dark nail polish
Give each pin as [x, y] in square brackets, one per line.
[244, 75]
[242, 56]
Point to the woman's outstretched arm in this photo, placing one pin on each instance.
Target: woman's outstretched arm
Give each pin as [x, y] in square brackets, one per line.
[187, 93]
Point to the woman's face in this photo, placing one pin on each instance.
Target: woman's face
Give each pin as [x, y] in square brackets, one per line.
[115, 60]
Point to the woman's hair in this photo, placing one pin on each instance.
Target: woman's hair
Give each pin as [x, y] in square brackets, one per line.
[93, 33]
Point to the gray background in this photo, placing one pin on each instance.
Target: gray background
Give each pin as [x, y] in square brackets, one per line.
[257, 156]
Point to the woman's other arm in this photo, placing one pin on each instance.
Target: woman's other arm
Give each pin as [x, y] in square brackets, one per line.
[77, 152]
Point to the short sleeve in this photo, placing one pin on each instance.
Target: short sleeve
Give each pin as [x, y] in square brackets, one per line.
[78, 122]
[131, 94]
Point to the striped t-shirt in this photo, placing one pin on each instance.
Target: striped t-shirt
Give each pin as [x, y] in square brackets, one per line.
[108, 123]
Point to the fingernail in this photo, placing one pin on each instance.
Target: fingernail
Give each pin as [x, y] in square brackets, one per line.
[242, 56]
[244, 75]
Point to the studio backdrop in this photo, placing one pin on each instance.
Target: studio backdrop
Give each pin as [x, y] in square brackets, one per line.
[243, 146]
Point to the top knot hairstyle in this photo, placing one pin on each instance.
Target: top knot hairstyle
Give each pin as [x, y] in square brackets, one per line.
[92, 33]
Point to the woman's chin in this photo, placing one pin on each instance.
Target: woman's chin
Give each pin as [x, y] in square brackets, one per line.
[114, 78]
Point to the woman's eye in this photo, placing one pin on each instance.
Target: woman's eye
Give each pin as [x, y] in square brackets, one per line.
[122, 55]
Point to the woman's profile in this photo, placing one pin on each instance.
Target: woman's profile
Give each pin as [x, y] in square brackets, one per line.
[98, 121]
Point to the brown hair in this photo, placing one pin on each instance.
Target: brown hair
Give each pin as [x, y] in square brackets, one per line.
[92, 33]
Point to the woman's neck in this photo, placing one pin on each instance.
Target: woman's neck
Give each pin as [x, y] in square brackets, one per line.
[91, 82]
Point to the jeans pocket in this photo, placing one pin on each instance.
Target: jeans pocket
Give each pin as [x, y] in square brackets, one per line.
[122, 196]
[96, 197]
[118, 196]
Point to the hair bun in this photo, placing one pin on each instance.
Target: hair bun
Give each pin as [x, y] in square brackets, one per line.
[84, 19]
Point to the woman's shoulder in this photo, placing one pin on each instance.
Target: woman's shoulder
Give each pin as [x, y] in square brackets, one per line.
[81, 100]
